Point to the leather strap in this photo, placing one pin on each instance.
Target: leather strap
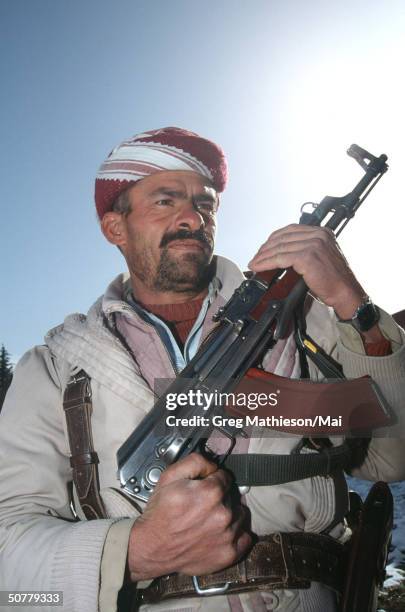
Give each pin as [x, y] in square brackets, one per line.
[277, 561]
[84, 460]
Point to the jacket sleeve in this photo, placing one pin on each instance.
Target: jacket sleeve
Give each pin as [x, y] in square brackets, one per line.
[41, 546]
[385, 458]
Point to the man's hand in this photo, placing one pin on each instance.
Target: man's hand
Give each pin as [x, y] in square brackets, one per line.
[187, 525]
[314, 253]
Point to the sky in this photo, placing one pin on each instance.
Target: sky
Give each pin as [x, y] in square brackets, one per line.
[283, 87]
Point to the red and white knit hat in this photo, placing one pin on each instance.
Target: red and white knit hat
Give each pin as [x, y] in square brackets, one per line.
[169, 148]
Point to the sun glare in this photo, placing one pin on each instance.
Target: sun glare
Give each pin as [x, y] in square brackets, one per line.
[332, 104]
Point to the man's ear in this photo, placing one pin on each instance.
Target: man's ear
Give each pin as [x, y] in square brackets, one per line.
[113, 228]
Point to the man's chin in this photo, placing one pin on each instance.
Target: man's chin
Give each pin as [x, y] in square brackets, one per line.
[184, 272]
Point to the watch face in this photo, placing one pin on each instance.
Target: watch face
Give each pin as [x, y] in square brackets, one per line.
[366, 317]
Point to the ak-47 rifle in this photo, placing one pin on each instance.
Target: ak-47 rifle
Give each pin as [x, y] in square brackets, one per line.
[250, 323]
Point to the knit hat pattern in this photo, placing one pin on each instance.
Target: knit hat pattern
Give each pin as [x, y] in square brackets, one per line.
[169, 148]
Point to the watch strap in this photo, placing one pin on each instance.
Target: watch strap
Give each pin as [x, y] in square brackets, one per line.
[365, 317]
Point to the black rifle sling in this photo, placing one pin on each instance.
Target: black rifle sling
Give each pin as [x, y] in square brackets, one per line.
[308, 348]
[77, 405]
[259, 470]
[300, 326]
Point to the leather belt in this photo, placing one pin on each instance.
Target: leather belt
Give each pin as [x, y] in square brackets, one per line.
[277, 561]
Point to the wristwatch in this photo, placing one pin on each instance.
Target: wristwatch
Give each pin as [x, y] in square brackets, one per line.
[365, 317]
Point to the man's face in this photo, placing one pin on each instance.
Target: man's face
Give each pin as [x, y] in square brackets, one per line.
[170, 231]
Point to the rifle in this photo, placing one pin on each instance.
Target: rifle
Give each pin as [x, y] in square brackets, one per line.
[248, 325]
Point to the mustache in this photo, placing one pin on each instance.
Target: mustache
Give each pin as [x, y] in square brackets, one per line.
[183, 234]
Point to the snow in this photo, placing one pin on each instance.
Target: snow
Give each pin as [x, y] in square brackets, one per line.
[396, 558]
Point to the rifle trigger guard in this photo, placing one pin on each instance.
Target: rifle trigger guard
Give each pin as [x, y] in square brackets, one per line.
[209, 591]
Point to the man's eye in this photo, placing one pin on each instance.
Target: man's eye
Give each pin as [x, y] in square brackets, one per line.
[207, 208]
[165, 202]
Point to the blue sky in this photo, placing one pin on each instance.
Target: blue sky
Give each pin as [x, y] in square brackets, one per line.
[285, 88]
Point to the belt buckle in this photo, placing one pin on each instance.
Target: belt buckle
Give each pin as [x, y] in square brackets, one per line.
[210, 590]
[283, 542]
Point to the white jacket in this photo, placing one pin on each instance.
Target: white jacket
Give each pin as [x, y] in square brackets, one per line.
[43, 548]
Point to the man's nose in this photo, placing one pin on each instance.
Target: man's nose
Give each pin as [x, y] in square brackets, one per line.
[189, 217]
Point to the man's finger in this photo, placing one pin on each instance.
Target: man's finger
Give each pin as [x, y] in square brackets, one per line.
[244, 543]
[279, 260]
[221, 478]
[241, 519]
[293, 228]
[191, 467]
[295, 233]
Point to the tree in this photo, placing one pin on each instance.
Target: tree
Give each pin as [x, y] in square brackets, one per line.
[6, 373]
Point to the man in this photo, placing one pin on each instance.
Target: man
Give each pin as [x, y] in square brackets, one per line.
[157, 199]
